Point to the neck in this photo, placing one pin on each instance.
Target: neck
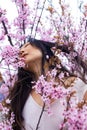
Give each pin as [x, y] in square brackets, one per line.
[36, 68]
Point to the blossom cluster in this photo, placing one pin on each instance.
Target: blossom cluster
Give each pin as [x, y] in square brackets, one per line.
[61, 30]
[75, 113]
[10, 55]
[6, 122]
[75, 117]
[11, 61]
[50, 90]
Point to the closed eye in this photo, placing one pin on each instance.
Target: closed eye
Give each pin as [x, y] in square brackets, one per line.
[25, 45]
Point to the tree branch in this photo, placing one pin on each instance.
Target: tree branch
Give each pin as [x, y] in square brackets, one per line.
[79, 62]
[34, 18]
[40, 17]
[40, 117]
[6, 32]
[23, 23]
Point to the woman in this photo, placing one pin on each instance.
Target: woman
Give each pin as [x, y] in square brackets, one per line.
[28, 105]
[25, 102]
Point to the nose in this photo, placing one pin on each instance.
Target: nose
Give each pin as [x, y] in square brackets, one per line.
[21, 52]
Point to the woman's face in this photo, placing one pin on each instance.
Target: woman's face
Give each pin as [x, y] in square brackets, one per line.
[30, 53]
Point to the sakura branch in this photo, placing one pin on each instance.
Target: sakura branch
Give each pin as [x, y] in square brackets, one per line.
[3, 20]
[70, 44]
[5, 122]
[37, 127]
[34, 18]
[75, 116]
[40, 17]
[11, 59]
[50, 90]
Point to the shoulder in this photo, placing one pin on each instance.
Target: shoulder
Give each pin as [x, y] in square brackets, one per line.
[80, 88]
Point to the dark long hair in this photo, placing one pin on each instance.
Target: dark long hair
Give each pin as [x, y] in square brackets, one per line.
[23, 86]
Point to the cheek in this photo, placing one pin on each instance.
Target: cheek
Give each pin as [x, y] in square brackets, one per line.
[38, 54]
[34, 56]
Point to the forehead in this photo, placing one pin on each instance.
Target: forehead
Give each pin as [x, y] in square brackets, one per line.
[29, 45]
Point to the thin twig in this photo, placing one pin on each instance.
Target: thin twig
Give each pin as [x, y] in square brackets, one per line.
[1, 61]
[34, 18]
[62, 8]
[6, 32]
[7, 68]
[40, 117]
[23, 23]
[84, 41]
[39, 17]
[67, 108]
[52, 18]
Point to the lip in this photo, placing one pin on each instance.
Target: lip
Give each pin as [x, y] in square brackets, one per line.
[23, 55]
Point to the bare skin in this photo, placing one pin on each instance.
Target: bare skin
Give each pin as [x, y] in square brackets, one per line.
[33, 60]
